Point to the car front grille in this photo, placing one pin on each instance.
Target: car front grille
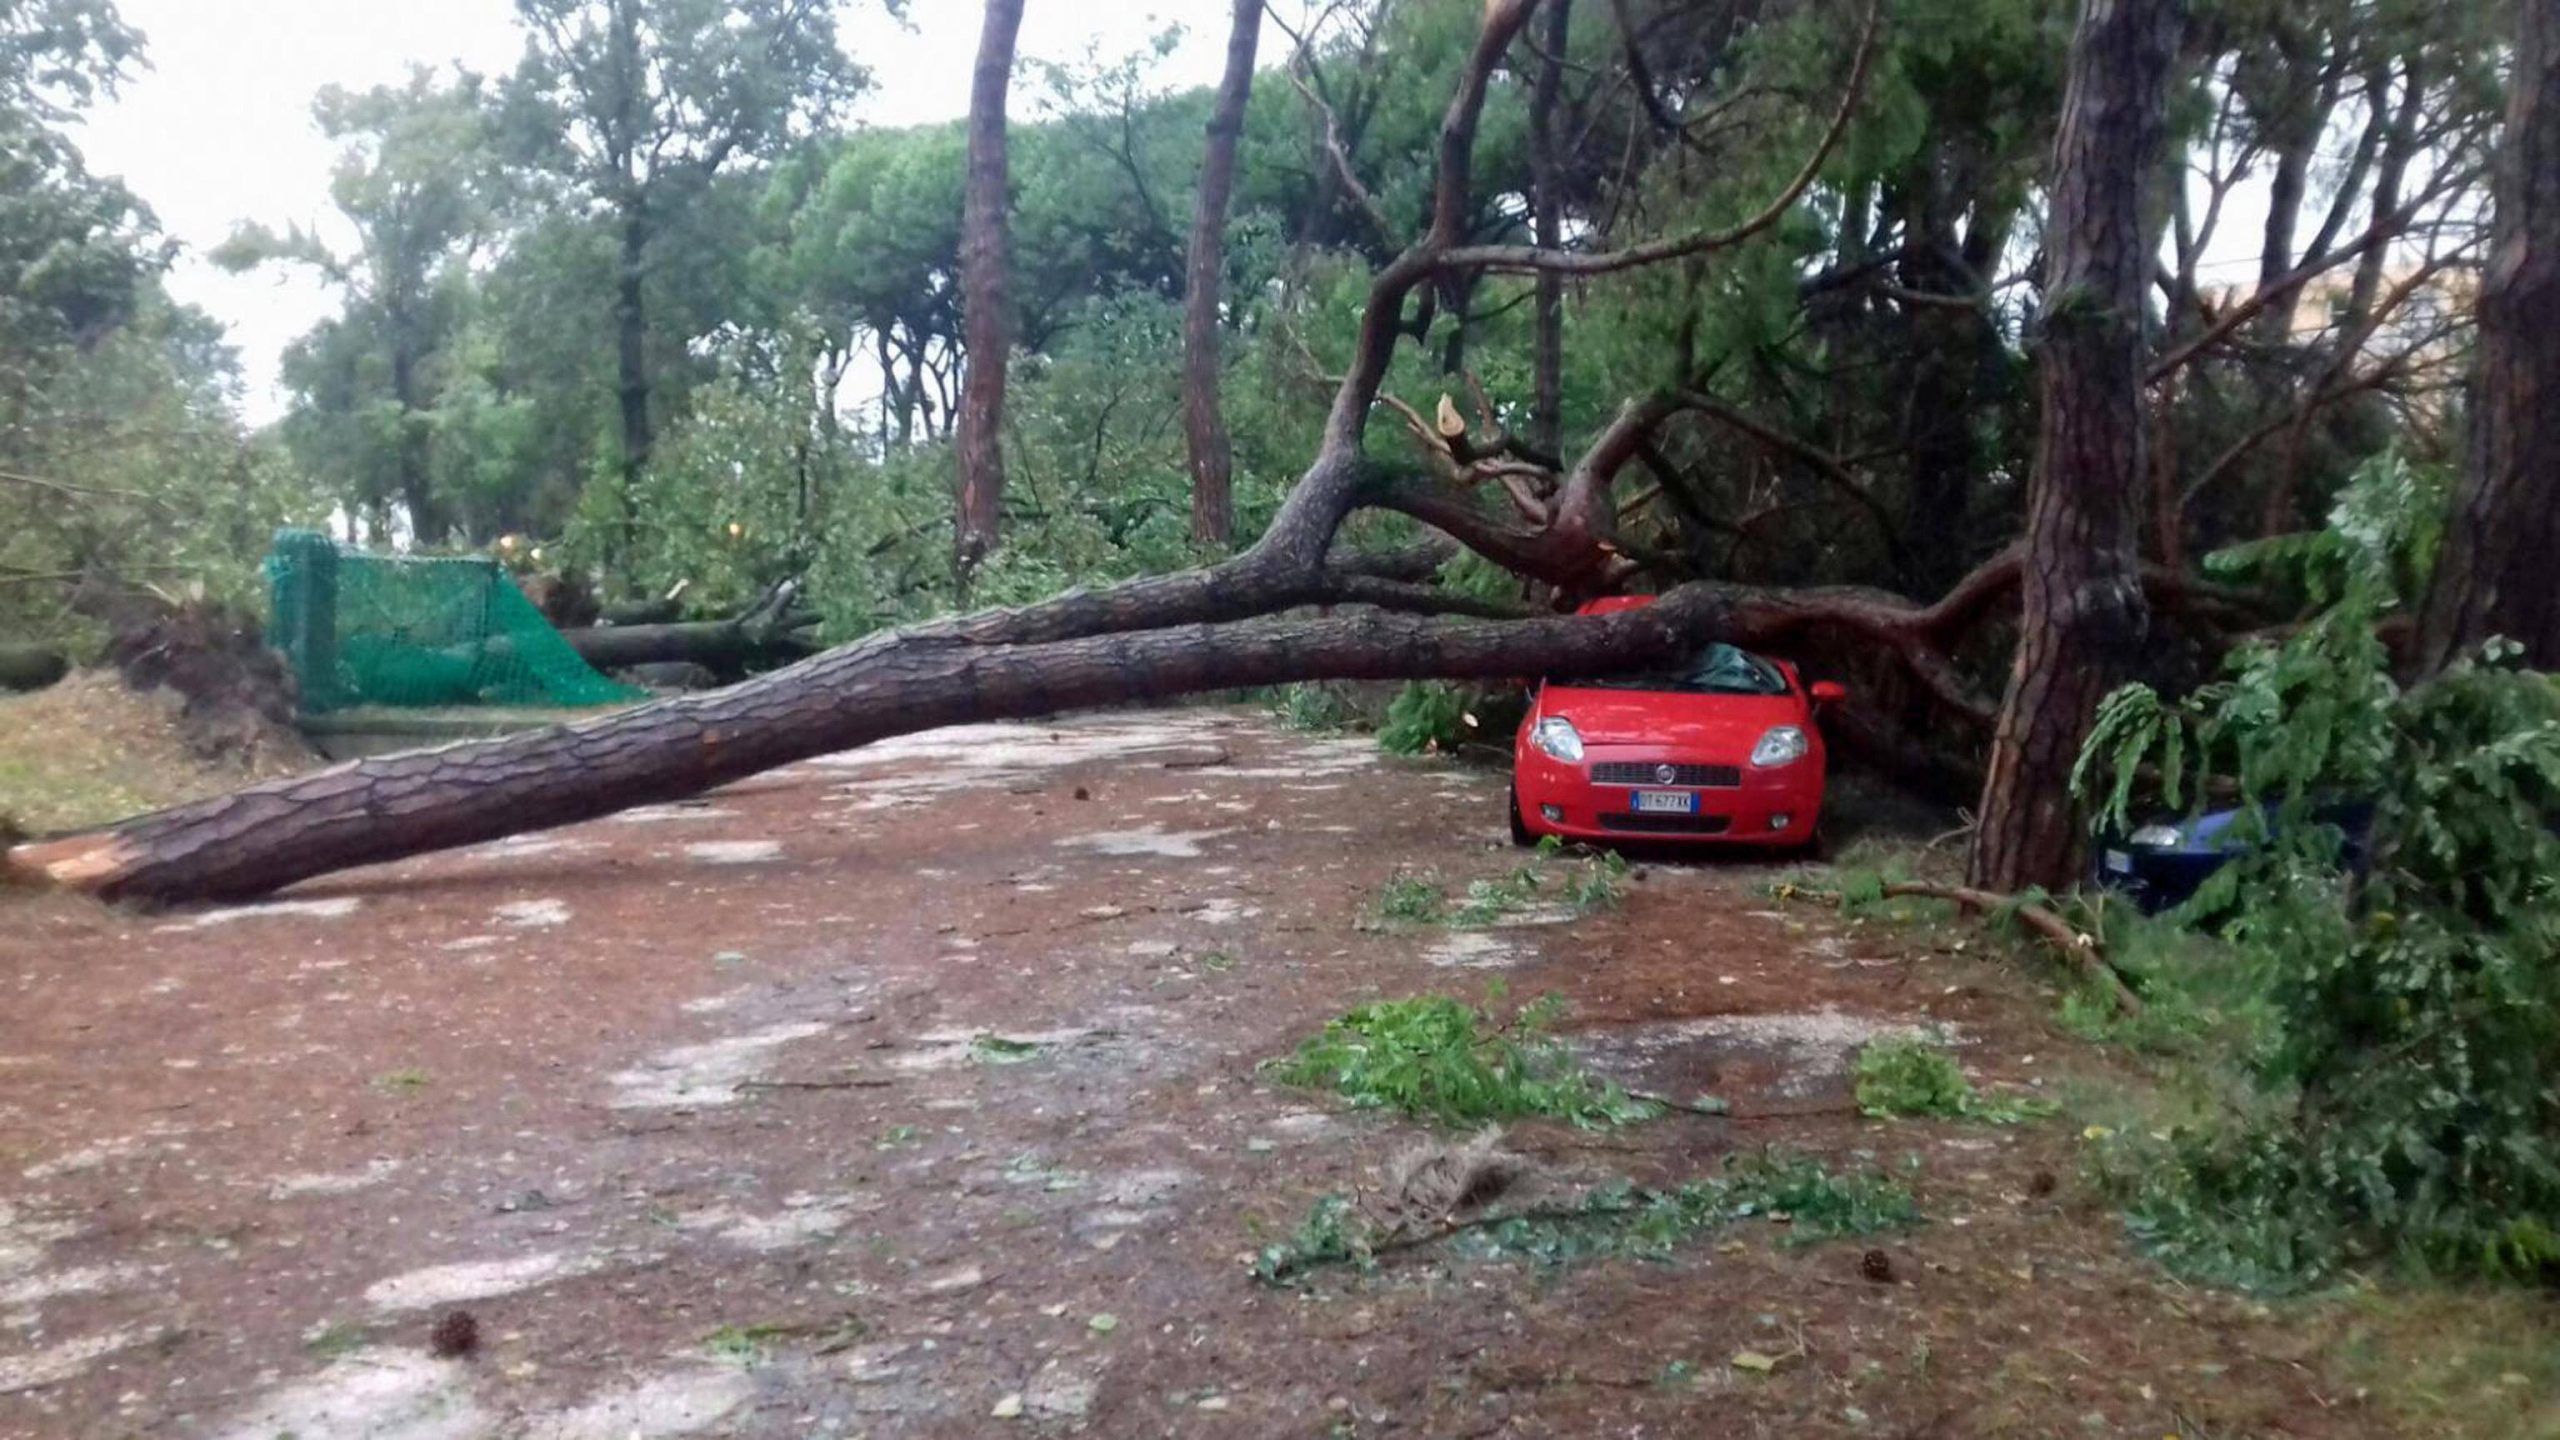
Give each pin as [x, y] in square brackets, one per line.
[1660, 824]
[1648, 772]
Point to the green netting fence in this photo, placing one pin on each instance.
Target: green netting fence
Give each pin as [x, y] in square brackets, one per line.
[364, 629]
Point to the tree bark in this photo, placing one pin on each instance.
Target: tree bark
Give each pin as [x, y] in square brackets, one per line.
[987, 317]
[2084, 613]
[630, 298]
[724, 646]
[1203, 423]
[427, 524]
[1546, 408]
[2494, 576]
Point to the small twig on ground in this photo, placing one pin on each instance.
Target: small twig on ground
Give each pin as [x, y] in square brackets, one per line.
[1199, 762]
[1709, 1106]
[858, 1082]
[2082, 949]
[1793, 1112]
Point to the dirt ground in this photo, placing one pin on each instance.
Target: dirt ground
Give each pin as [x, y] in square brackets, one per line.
[690, 1111]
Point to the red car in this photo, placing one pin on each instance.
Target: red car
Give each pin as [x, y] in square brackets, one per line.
[1723, 748]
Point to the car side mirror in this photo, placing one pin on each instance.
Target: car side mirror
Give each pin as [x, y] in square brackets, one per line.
[1829, 692]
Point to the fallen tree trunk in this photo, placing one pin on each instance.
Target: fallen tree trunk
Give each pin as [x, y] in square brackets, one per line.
[721, 645]
[257, 840]
[31, 667]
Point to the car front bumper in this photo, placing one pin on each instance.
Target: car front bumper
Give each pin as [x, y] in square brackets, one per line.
[1774, 807]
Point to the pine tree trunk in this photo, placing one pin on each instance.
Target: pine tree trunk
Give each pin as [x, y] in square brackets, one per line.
[1204, 426]
[427, 525]
[987, 316]
[1546, 409]
[2084, 614]
[631, 341]
[2495, 574]
[260, 839]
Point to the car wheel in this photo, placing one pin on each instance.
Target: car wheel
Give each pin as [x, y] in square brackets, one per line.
[1519, 828]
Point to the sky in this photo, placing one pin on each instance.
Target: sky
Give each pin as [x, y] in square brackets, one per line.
[218, 130]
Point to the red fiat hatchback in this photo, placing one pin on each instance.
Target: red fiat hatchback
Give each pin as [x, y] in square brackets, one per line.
[1722, 748]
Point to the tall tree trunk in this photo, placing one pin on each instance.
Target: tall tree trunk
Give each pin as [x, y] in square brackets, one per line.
[427, 523]
[986, 318]
[1546, 409]
[631, 344]
[630, 300]
[2084, 612]
[1943, 364]
[2399, 147]
[2494, 576]
[1204, 426]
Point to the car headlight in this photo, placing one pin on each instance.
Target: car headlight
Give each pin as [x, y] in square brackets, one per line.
[1556, 737]
[2157, 837]
[1784, 745]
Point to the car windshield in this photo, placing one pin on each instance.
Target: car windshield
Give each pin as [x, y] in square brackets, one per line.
[1719, 669]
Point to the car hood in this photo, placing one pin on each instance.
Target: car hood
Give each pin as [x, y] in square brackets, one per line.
[1729, 723]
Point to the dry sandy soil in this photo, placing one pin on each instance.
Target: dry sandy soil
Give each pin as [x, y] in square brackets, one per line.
[92, 749]
[689, 1110]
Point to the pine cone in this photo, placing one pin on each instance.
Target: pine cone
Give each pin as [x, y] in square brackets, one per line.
[456, 1334]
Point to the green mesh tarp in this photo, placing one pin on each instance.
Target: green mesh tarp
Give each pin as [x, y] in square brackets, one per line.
[404, 630]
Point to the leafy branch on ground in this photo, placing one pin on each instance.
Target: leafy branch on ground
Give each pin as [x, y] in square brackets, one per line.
[1314, 706]
[1591, 880]
[1904, 1077]
[2032, 910]
[1440, 1059]
[1429, 717]
[2396, 894]
[1619, 1219]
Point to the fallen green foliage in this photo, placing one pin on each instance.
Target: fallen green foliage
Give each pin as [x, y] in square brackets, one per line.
[991, 1049]
[1583, 881]
[2396, 899]
[1412, 900]
[1427, 717]
[1621, 1219]
[1904, 1077]
[1314, 706]
[1442, 1060]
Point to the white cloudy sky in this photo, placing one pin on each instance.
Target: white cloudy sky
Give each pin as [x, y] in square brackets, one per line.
[219, 129]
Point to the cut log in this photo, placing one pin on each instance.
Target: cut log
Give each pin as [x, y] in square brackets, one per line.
[722, 646]
[31, 667]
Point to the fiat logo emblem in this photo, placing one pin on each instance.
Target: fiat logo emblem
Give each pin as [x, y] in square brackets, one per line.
[1665, 773]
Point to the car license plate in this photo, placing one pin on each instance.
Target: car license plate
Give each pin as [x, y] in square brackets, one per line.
[2119, 863]
[1665, 802]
